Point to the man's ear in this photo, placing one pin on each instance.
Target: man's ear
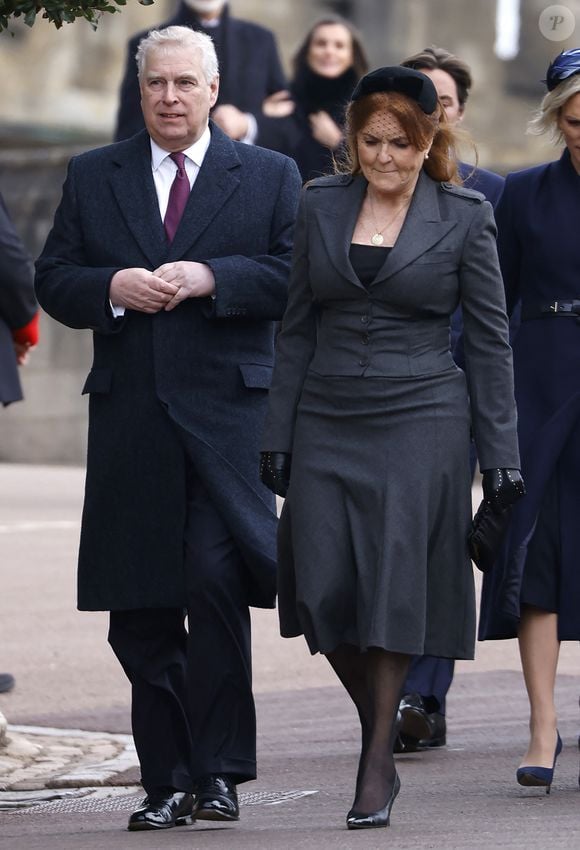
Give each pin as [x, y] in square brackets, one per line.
[214, 87]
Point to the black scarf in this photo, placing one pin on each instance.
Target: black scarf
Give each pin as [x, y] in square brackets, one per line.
[313, 92]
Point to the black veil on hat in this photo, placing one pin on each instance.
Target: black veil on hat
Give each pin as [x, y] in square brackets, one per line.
[406, 81]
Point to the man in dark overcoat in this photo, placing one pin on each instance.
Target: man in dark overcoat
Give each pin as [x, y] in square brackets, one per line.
[423, 704]
[250, 70]
[183, 313]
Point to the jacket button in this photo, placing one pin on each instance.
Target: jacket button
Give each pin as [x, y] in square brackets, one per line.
[364, 319]
[363, 362]
[365, 339]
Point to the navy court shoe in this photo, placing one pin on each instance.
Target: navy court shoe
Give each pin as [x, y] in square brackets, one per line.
[539, 776]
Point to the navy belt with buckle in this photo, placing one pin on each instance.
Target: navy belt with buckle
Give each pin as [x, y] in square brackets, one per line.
[556, 308]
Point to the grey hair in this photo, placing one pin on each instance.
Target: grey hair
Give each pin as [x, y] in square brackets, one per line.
[179, 37]
[545, 120]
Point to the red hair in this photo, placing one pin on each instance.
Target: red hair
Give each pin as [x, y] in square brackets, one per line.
[420, 129]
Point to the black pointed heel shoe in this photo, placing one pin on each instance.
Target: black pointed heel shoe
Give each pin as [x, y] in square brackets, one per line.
[539, 776]
[371, 820]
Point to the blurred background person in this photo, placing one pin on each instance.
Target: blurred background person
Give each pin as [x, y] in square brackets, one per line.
[423, 705]
[307, 121]
[18, 309]
[369, 417]
[249, 64]
[18, 325]
[533, 591]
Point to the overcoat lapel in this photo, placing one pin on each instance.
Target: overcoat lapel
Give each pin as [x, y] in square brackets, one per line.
[134, 189]
[421, 230]
[216, 181]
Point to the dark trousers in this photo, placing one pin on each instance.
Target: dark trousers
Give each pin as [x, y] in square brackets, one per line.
[431, 678]
[192, 705]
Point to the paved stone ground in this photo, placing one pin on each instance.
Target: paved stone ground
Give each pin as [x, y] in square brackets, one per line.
[463, 796]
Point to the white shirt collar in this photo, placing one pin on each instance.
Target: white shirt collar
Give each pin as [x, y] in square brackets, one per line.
[196, 152]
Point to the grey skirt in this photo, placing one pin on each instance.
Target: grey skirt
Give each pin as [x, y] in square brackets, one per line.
[372, 538]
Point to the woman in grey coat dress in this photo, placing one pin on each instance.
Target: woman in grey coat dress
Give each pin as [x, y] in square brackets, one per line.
[372, 415]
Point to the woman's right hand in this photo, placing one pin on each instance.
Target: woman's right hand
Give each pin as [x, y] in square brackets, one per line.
[275, 471]
[278, 105]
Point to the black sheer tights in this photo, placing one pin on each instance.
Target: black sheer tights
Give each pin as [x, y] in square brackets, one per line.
[374, 680]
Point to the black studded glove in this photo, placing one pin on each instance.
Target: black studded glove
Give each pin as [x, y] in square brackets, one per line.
[502, 487]
[275, 471]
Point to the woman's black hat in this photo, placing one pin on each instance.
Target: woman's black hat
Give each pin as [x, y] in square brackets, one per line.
[566, 64]
[406, 81]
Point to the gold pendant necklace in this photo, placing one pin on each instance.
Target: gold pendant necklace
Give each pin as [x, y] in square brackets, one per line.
[377, 237]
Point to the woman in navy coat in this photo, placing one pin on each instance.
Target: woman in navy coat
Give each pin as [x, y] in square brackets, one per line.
[533, 591]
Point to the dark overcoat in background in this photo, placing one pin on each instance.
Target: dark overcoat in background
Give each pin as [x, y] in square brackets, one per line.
[250, 68]
[193, 380]
[538, 218]
[17, 303]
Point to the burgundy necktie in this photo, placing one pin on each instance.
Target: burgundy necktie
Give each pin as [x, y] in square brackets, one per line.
[178, 195]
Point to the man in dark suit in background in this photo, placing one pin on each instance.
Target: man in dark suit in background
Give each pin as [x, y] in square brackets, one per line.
[18, 325]
[422, 707]
[250, 70]
[182, 287]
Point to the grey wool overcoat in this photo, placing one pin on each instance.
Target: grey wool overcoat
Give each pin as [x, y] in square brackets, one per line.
[189, 382]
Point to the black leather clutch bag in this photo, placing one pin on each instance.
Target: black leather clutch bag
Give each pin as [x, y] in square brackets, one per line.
[485, 538]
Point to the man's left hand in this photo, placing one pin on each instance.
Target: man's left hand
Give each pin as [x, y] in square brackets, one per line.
[231, 120]
[195, 280]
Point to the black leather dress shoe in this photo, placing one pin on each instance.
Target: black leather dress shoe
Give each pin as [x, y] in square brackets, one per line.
[216, 798]
[420, 729]
[438, 737]
[162, 810]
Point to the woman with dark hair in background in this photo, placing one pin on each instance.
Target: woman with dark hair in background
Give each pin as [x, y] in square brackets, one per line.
[306, 123]
[533, 591]
[369, 417]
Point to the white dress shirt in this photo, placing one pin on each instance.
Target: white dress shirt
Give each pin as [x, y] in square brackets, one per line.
[164, 169]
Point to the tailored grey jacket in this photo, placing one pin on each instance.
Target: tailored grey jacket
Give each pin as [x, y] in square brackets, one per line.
[189, 383]
[445, 255]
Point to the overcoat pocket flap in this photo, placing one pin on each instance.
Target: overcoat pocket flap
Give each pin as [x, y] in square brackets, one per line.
[256, 375]
[98, 381]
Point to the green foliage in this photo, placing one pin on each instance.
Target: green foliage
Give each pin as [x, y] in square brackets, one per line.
[59, 12]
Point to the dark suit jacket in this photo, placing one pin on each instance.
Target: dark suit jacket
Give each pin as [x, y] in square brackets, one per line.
[17, 302]
[250, 69]
[194, 379]
[444, 254]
